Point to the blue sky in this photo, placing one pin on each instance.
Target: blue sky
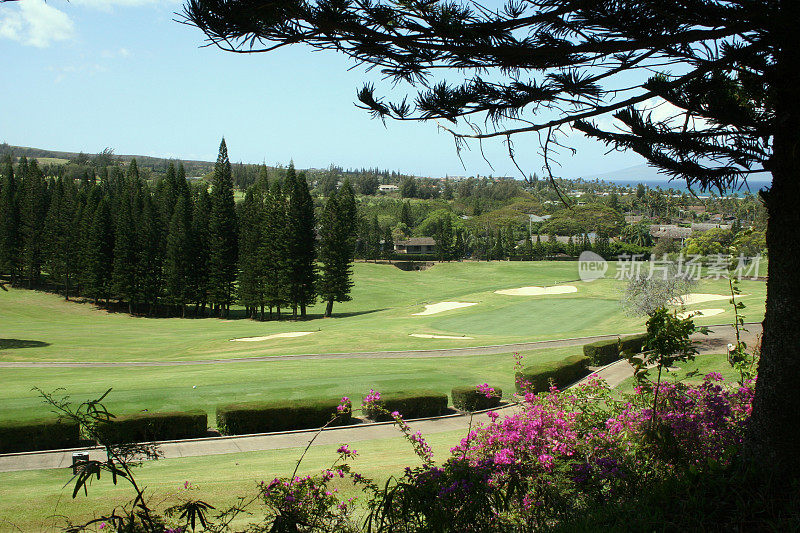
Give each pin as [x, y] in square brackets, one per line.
[87, 74]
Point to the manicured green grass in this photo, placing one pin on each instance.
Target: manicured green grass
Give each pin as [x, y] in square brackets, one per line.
[380, 317]
[31, 501]
[170, 388]
[44, 327]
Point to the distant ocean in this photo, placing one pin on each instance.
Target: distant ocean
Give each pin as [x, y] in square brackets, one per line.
[680, 186]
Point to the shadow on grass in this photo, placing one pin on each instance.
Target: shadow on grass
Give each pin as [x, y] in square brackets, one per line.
[11, 344]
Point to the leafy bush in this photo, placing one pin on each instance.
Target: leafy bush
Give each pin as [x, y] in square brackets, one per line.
[475, 399]
[410, 404]
[149, 427]
[602, 352]
[265, 417]
[537, 377]
[46, 434]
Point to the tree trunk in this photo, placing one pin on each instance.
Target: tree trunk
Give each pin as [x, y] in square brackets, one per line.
[302, 310]
[774, 432]
[329, 308]
[294, 311]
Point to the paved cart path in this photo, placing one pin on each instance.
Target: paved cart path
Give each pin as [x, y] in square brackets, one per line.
[614, 374]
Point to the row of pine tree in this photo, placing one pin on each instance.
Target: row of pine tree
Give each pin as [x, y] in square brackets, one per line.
[176, 249]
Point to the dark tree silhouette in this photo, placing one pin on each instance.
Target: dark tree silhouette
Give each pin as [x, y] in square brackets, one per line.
[725, 72]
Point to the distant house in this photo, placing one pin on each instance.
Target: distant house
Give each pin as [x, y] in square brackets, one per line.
[670, 231]
[416, 245]
[388, 188]
[633, 219]
[705, 226]
[537, 218]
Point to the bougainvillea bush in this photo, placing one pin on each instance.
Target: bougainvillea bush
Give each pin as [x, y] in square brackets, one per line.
[564, 452]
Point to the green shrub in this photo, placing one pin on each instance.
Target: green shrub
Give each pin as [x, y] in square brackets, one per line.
[633, 344]
[471, 399]
[601, 353]
[46, 434]
[265, 417]
[148, 427]
[410, 404]
[563, 372]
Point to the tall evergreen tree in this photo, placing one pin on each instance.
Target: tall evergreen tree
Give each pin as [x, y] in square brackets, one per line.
[301, 238]
[222, 235]
[34, 209]
[337, 247]
[251, 235]
[275, 250]
[125, 276]
[99, 253]
[201, 213]
[151, 250]
[178, 256]
[9, 219]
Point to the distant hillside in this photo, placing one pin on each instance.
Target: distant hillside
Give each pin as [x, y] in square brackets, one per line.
[157, 164]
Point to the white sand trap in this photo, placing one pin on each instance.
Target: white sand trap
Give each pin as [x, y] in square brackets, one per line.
[700, 297]
[427, 336]
[698, 313]
[287, 335]
[539, 291]
[432, 309]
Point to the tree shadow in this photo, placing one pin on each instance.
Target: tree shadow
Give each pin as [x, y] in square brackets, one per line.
[11, 344]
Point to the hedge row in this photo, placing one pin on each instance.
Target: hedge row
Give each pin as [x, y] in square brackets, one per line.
[410, 404]
[265, 417]
[148, 427]
[471, 399]
[562, 372]
[47, 434]
[605, 352]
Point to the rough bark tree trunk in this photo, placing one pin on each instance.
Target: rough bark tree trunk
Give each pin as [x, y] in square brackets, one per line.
[774, 432]
[329, 308]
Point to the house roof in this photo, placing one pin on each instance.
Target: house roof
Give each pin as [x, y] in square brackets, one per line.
[670, 231]
[418, 241]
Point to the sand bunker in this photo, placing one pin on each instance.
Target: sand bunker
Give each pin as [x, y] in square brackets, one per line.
[287, 335]
[699, 297]
[426, 336]
[539, 291]
[432, 309]
[698, 313]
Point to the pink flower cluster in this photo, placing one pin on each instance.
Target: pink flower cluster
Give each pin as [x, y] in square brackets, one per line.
[486, 390]
[371, 397]
[344, 405]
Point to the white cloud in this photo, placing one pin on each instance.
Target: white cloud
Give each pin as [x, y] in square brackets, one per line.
[35, 23]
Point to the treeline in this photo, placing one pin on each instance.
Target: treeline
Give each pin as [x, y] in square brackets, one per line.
[453, 242]
[171, 248]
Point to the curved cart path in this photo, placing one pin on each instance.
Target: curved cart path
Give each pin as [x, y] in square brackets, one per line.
[614, 374]
[719, 338]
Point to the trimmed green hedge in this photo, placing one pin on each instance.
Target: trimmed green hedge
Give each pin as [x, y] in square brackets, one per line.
[471, 399]
[46, 434]
[605, 352]
[633, 344]
[602, 352]
[562, 372]
[410, 404]
[266, 417]
[148, 427]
